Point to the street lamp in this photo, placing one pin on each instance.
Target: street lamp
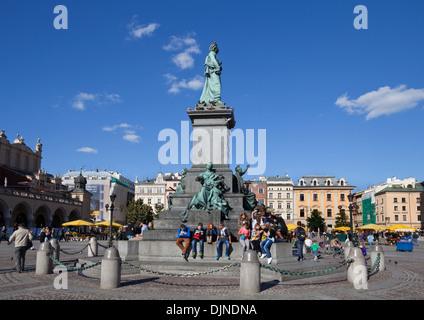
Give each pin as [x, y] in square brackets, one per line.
[111, 208]
[351, 207]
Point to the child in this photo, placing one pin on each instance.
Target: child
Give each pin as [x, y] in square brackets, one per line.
[314, 248]
[364, 251]
[197, 237]
[224, 236]
[244, 234]
[210, 233]
[256, 238]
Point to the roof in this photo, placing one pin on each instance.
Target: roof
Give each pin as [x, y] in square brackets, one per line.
[397, 188]
[322, 181]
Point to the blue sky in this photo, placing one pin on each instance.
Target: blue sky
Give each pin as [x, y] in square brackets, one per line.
[125, 70]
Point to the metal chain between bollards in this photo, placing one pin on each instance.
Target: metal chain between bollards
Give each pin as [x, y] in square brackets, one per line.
[376, 265]
[72, 268]
[72, 253]
[314, 273]
[192, 274]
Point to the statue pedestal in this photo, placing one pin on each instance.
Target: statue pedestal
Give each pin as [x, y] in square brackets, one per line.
[211, 134]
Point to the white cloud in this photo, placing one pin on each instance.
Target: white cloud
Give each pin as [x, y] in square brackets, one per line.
[138, 31]
[384, 101]
[188, 46]
[82, 99]
[195, 83]
[127, 130]
[131, 137]
[87, 150]
[116, 126]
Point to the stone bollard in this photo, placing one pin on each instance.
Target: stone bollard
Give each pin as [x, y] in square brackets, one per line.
[378, 249]
[250, 273]
[357, 272]
[93, 247]
[55, 248]
[43, 264]
[348, 246]
[111, 269]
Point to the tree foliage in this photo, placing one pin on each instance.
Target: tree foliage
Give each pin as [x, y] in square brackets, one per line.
[139, 211]
[316, 221]
[342, 219]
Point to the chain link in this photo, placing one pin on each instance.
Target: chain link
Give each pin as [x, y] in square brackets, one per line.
[314, 273]
[72, 253]
[192, 274]
[72, 268]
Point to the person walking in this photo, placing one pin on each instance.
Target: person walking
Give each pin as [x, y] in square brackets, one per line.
[3, 233]
[42, 236]
[21, 237]
[300, 237]
[370, 240]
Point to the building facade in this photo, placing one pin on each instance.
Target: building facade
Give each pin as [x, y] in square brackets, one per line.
[400, 204]
[101, 184]
[326, 194]
[30, 195]
[280, 196]
[153, 192]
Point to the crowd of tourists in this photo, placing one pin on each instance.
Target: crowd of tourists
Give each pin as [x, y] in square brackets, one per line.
[257, 232]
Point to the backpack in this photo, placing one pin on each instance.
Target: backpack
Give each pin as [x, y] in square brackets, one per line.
[301, 234]
[283, 226]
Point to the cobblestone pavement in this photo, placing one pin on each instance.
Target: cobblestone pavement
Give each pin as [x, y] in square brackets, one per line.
[402, 279]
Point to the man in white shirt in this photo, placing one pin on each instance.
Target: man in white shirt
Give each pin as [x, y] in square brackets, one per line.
[21, 237]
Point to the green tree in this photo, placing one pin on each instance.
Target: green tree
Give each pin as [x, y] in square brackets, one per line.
[139, 211]
[315, 221]
[342, 220]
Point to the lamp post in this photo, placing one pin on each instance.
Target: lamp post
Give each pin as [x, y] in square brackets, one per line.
[351, 207]
[111, 208]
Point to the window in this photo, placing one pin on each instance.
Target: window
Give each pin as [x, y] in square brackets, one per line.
[271, 195]
[396, 208]
[314, 183]
[329, 212]
[261, 201]
[159, 200]
[271, 205]
[279, 205]
[149, 201]
[328, 196]
[395, 200]
[288, 205]
[342, 183]
[342, 197]
[396, 217]
[302, 197]
[418, 208]
[404, 217]
[302, 213]
[404, 200]
[418, 200]
[261, 191]
[315, 197]
[328, 183]
[302, 183]
[288, 195]
[288, 216]
[419, 217]
[403, 208]
[279, 195]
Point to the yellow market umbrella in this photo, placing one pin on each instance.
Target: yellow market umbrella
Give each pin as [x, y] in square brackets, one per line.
[77, 223]
[400, 226]
[342, 229]
[107, 224]
[291, 226]
[95, 213]
[371, 226]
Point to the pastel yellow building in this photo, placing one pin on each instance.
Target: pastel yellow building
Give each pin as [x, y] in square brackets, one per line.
[323, 193]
